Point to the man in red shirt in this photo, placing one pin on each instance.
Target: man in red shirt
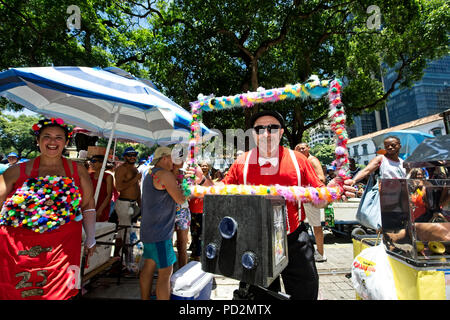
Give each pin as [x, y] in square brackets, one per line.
[271, 164]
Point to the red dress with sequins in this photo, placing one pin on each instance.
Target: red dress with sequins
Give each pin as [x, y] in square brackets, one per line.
[36, 265]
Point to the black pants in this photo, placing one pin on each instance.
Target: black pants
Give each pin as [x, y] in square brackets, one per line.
[196, 234]
[300, 277]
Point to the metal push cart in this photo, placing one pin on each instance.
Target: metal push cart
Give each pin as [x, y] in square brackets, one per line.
[415, 219]
[107, 264]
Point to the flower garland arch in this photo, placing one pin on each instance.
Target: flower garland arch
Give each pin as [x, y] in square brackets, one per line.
[314, 89]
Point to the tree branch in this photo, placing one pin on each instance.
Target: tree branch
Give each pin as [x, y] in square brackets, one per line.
[149, 11]
[140, 58]
[266, 45]
[238, 42]
[386, 95]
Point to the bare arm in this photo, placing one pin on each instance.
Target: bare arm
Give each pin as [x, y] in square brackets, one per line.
[109, 184]
[373, 165]
[197, 171]
[315, 163]
[7, 180]
[87, 201]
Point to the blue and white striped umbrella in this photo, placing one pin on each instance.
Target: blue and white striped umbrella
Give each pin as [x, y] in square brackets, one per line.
[91, 97]
[110, 103]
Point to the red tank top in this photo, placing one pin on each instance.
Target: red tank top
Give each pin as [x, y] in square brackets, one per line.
[37, 265]
[35, 173]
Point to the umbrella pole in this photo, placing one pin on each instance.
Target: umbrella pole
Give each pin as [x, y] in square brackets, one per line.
[114, 152]
[108, 147]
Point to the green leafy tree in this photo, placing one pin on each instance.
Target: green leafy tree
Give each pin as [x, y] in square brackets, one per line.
[36, 33]
[227, 47]
[324, 152]
[143, 150]
[16, 136]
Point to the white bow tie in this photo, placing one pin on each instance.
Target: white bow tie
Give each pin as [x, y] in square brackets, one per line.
[263, 161]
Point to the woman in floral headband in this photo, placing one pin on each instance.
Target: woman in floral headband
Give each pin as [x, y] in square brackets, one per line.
[45, 203]
[52, 122]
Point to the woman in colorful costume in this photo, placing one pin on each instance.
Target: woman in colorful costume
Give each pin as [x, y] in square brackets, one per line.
[45, 202]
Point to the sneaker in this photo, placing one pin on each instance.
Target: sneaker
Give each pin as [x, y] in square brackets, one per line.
[318, 257]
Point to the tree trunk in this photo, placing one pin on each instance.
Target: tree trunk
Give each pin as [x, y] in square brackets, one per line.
[253, 69]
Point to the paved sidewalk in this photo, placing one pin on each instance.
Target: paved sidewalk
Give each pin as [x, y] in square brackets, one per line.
[334, 280]
[334, 283]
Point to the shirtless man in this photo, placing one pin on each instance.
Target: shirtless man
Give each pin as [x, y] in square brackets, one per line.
[127, 179]
[313, 213]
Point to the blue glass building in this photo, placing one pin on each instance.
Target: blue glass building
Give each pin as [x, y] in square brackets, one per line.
[426, 97]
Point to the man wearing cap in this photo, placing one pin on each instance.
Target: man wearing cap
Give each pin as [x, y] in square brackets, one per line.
[13, 158]
[269, 164]
[161, 193]
[127, 181]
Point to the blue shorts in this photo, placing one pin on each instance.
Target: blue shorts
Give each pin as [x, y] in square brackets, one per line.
[161, 252]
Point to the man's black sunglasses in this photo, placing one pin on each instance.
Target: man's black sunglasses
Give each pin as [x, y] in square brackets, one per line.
[131, 155]
[270, 128]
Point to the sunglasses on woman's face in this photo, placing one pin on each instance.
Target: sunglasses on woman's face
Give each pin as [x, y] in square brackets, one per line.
[271, 128]
[95, 161]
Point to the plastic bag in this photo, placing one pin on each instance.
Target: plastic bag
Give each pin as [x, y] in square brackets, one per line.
[134, 260]
[372, 275]
[369, 210]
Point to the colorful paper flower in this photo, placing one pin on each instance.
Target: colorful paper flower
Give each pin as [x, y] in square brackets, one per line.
[36, 128]
[290, 193]
[313, 88]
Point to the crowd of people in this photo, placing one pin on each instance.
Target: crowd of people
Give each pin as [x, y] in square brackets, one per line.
[154, 196]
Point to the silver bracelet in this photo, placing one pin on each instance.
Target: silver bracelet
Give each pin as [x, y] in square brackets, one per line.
[89, 210]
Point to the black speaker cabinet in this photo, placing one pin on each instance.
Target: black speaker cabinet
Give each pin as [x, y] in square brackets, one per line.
[244, 237]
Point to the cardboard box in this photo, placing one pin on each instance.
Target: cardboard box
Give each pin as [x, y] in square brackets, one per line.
[96, 150]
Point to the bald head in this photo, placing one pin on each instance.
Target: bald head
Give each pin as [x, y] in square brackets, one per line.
[303, 148]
